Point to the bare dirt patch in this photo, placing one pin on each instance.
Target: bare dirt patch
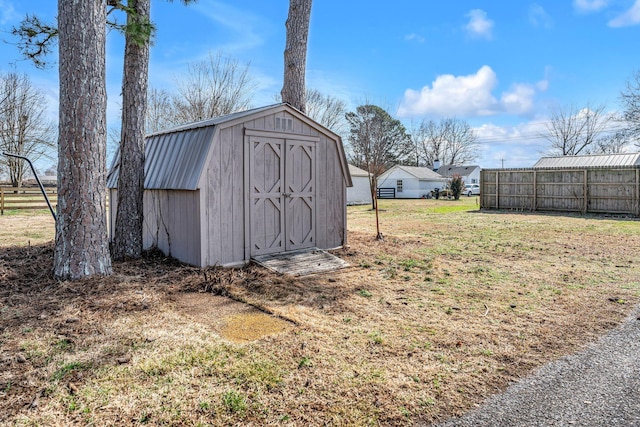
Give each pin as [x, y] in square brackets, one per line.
[232, 320]
[450, 308]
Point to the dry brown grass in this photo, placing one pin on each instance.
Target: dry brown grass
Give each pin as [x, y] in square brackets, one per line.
[26, 229]
[450, 308]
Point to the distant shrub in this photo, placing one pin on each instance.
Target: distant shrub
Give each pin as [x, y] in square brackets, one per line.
[456, 186]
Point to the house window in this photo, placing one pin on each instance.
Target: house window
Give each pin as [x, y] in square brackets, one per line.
[399, 186]
[474, 181]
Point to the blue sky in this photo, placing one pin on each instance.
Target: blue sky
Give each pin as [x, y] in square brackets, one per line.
[500, 65]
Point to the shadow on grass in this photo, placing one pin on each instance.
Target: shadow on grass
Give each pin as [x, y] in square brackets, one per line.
[542, 213]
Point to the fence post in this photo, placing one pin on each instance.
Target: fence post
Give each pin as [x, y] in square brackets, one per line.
[638, 192]
[497, 190]
[586, 189]
[1, 201]
[535, 190]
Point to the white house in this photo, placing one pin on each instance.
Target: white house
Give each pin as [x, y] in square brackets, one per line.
[470, 174]
[409, 182]
[360, 193]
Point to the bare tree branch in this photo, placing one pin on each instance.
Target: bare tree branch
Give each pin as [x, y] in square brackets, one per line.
[24, 127]
[630, 98]
[572, 131]
[451, 141]
[327, 110]
[213, 87]
[160, 110]
[613, 143]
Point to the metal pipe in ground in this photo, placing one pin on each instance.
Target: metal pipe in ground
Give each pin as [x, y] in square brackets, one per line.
[44, 193]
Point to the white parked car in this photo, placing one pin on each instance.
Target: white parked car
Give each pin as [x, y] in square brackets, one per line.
[471, 189]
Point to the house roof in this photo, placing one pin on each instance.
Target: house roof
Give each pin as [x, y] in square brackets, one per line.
[417, 172]
[590, 161]
[450, 170]
[356, 171]
[175, 157]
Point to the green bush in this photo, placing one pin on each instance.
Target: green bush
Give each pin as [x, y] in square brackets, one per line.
[456, 186]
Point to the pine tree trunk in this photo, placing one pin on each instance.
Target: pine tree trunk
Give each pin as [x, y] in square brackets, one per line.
[127, 242]
[295, 53]
[82, 248]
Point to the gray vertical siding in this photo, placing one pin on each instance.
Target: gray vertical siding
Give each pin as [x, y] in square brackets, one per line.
[211, 209]
[171, 225]
[330, 200]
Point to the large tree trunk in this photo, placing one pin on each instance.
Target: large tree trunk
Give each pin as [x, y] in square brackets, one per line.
[295, 53]
[82, 247]
[127, 242]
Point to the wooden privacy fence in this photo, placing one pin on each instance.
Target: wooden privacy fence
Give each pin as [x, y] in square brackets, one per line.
[23, 198]
[585, 190]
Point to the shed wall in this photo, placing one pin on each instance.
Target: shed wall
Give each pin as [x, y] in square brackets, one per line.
[223, 201]
[224, 205]
[171, 222]
[330, 196]
[172, 225]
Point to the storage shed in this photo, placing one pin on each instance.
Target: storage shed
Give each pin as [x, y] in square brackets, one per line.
[360, 193]
[262, 181]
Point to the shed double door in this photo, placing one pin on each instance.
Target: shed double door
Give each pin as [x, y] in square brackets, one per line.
[282, 194]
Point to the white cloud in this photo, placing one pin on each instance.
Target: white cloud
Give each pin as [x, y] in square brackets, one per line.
[586, 6]
[629, 18]
[538, 17]
[414, 37]
[519, 100]
[469, 96]
[453, 95]
[7, 12]
[479, 26]
[542, 85]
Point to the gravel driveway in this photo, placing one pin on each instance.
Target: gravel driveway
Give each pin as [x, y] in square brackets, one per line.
[599, 386]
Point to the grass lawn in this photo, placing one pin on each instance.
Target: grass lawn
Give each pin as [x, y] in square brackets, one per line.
[450, 308]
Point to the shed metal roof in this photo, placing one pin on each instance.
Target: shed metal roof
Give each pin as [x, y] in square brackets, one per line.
[175, 157]
[590, 161]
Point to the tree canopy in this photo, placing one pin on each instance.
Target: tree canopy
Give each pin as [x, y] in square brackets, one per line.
[452, 141]
[377, 141]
